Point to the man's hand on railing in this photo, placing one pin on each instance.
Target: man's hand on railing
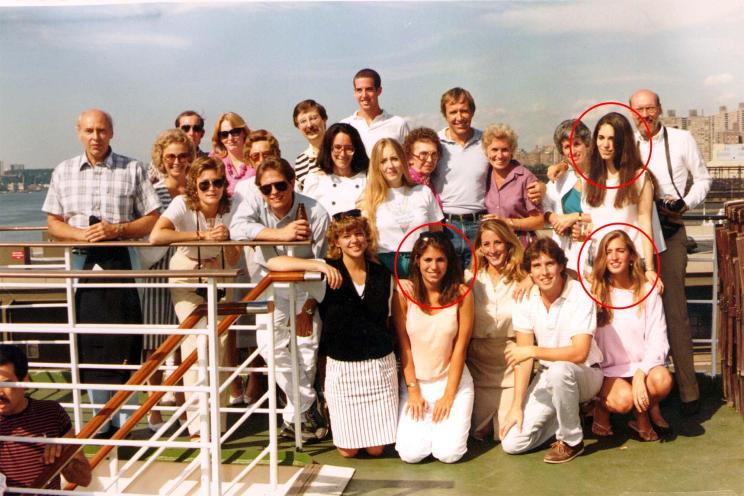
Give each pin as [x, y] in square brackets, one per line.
[101, 231]
[298, 230]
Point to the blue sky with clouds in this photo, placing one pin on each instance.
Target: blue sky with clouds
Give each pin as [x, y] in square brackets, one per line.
[529, 64]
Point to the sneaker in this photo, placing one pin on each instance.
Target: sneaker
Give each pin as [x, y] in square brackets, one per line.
[309, 434]
[287, 430]
[561, 452]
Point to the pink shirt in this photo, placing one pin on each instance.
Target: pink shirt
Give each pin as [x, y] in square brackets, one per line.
[510, 200]
[635, 339]
[234, 176]
[432, 340]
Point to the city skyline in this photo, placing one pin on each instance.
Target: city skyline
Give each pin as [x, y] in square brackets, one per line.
[529, 64]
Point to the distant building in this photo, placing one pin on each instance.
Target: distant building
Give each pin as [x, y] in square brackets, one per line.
[725, 128]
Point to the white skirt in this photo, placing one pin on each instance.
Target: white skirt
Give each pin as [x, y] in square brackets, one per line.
[363, 401]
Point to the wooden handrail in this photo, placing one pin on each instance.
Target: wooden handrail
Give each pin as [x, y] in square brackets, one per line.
[143, 374]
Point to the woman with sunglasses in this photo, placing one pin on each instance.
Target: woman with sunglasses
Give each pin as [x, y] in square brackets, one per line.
[433, 334]
[228, 144]
[343, 167]
[172, 154]
[613, 193]
[202, 213]
[393, 204]
[633, 341]
[499, 280]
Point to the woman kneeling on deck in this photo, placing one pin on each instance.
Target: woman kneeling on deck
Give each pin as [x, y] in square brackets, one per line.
[433, 332]
[633, 341]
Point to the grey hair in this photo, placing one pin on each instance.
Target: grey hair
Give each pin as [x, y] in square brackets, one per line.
[563, 133]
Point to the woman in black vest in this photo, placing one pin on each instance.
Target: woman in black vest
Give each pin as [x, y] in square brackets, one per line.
[361, 383]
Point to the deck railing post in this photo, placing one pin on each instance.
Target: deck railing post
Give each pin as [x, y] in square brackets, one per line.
[72, 336]
[270, 364]
[714, 315]
[214, 387]
[294, 358]
[204, 429]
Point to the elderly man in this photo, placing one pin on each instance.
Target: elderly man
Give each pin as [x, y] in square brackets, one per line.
[310, 118]
[102, 196]
[20, 416]
[372, 122]
[460, 178]
[675, 157]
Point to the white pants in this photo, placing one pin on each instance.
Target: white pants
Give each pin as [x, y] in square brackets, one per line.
[446, 440]
[307, 355]
[552, 406]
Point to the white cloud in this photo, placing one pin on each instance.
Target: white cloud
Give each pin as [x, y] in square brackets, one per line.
[718, 79]
[637, 17]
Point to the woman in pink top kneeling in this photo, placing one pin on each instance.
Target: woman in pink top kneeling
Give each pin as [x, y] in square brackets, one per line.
[633, 341]
[433, 333]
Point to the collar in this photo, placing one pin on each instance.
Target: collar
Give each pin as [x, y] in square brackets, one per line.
[475, 138]
[311, 152]
[379, 117]
[656, 138]
[108, 161]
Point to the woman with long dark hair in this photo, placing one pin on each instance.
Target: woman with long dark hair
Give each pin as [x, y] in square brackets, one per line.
[433, 334]
[343, 166]
[633, 341]
[614, 195]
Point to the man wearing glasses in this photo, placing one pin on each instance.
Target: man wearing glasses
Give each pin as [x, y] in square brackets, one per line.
[269, 212]
[310, 119]
[674, 158]
[103, 196]
[192, 124]
[372, 122]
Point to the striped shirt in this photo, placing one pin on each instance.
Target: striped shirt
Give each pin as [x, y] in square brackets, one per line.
[116, 190]
[21, 462]
[305, 163]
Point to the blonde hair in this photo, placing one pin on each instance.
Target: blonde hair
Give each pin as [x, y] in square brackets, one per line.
[512, 270]
[501, 132]
[346, 224]
[164, 140]
[236, 122]
[377, 187]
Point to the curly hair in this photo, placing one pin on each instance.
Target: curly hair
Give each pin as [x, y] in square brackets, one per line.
[512, 270]
[191, 193]
[453, 277]
[421, 134]
[164, 140]
[350, 224]
[499, 132]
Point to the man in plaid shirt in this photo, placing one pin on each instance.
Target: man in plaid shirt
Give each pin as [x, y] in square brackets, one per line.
[103, 196]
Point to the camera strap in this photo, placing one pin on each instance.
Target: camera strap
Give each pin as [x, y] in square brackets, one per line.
[669, 161]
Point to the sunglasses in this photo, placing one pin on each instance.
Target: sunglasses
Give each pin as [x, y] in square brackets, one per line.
[198, 128]
[232, 132]
[181, 157]
[280, 186]
[259, 156]
[217, 183]
[433, 235]
[353, 213]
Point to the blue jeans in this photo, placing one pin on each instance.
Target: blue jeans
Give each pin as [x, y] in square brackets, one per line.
[404, 262]
[462, 249]
[119, 418]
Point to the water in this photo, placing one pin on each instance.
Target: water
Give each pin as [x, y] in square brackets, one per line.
[22, 209]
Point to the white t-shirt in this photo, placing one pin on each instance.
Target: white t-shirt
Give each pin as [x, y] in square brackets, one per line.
[571, 314]
[184, 219]
[382, 126]
[335, 193]
[403, 209]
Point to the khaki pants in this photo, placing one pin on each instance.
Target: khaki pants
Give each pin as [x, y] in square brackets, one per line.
[673, 269]
[494, 384]
[185, 301]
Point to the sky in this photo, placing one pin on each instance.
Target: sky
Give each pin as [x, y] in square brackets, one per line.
[529, 64]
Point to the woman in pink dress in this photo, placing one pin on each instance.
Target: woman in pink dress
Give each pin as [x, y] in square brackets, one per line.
[633, 341]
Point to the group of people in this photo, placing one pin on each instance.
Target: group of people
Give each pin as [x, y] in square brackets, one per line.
[499, 341]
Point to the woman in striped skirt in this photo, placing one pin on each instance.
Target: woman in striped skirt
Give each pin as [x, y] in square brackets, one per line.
[361, 383]
[172, 154]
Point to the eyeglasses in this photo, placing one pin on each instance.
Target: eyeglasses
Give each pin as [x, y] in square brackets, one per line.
[280, 186]
[353, 213]
[259, 156]
[198, 128]
[310, 119]
[232, 132]
[181, 157]
[424, 156]
[651, 109]
[217, 183]
[348, 149]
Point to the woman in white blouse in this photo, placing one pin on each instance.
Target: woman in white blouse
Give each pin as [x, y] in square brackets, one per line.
[343, 170]
[394, 204]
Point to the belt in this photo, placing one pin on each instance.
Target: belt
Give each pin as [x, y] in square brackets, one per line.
[464, 217]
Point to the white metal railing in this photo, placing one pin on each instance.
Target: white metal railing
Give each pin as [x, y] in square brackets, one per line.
[207, 391]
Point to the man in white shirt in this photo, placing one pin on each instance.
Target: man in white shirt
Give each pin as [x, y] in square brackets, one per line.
[675, 156]
[372, 122]
[560, 317]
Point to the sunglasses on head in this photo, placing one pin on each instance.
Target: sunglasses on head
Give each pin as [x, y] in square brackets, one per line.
[232, 132]
[217, 183]
[280, 186]
[349, 213]
[431, 235]
[198, 128]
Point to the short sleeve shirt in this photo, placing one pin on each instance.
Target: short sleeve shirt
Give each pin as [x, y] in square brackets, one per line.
[185, 220]
[460, 177]
[571, 314]
[510, 200]
[403, 209]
